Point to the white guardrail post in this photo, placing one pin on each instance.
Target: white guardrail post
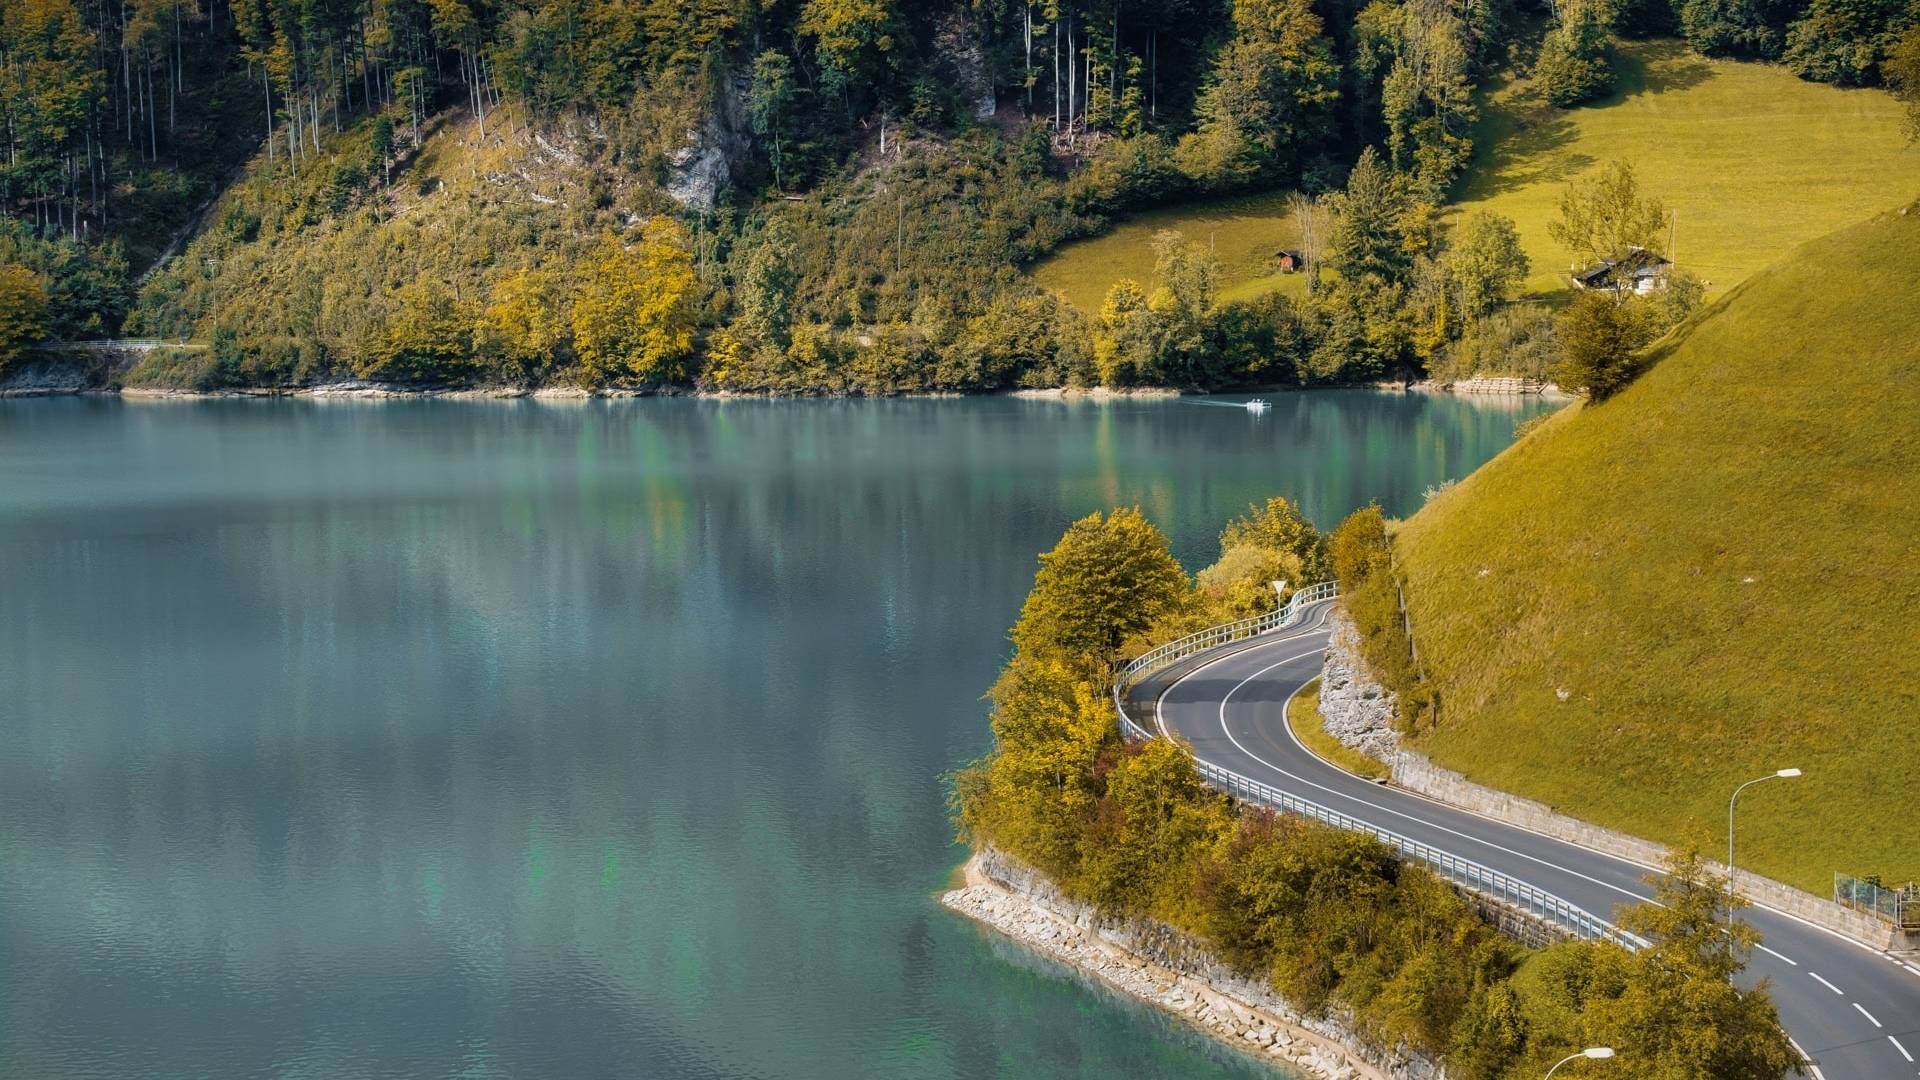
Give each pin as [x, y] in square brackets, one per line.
[1463, 872]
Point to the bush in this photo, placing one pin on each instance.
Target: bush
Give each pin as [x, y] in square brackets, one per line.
[23, 311]
[1601, 336]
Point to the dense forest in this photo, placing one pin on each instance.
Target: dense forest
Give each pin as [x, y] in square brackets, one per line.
[831, 195]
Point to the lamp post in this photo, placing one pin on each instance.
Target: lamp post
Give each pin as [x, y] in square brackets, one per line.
[1598, 1053]
[1783, 774]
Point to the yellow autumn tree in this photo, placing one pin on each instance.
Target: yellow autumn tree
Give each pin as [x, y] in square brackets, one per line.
[527, 325]
[633, 309]
[23, 311]
[1108, 579]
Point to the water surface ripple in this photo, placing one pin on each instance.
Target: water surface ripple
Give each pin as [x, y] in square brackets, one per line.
[525, 739]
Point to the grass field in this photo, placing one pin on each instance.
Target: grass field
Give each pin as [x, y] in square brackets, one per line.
[1244, 232]
[1712, 576]
[1303, 716]
[1754, 160]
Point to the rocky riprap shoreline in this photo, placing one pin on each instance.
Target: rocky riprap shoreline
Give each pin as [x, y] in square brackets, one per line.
[1164, 967]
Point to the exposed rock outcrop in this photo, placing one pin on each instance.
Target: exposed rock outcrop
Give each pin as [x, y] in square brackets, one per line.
[957, 44]
[1356, 710]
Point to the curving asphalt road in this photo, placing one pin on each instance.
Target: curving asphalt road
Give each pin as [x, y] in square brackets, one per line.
[1854, 1011]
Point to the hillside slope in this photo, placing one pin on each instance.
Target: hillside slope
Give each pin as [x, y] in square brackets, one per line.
[1754, 160]
[1719, 569]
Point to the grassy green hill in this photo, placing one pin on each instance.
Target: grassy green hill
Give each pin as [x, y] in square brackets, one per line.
[1755, 160]
[1711, 576]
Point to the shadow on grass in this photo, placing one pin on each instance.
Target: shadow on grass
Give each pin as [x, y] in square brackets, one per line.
[1521, 141]
[1655, 67]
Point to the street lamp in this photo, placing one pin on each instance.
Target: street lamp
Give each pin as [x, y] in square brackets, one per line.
[1598, 1053]
[1783, 774]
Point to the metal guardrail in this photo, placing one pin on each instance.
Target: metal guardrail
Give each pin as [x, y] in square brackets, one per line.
[1463, 872]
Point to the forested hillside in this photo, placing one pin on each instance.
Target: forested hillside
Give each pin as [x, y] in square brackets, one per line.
[832, 195]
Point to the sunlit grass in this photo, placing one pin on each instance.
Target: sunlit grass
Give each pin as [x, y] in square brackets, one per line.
[1754, 160]
[1708, 578]
[1244, 233]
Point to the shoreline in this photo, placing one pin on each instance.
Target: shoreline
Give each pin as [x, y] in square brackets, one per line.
[1158, 966]
[366, 391]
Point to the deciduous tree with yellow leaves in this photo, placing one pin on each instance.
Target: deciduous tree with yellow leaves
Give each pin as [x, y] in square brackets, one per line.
[633, 313]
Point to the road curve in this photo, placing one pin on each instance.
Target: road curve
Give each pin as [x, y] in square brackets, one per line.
[1854, 1011]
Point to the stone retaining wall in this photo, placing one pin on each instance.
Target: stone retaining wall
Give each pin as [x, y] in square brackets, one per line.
[1414, 772]
[1155, 963]
[1486, 385]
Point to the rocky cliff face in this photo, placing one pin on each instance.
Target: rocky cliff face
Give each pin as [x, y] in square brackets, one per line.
[1357, 710]
[957, 44]
[704, 164]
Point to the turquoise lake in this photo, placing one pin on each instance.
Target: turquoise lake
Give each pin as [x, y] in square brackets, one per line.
[573, 740]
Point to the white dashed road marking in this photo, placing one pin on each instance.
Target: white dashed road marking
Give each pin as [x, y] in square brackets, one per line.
[1823, 982]
[1902, 1049]
[1868, 1015]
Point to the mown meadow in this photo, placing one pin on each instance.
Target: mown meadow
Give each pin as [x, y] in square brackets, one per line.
[1753, 160]
[1707, 577]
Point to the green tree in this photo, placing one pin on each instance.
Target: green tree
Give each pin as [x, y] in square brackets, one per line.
[48, 84]
[1267, 104]
[633, 313]
[1576, 58]
[427, 336]
[853, 39]
[1483, 264]
[1279, 525]
[1604, 216]
[1427, 95]
[1107, 580]
[1749, 28]
[1123, 346]
[768, 283]
[1672, 1007]
[23, 311]
[1156, 820]
[1902, 69]
[1846, 41]
[1601, 336]
[770, 99]
[1369, 238]
[1036, 793]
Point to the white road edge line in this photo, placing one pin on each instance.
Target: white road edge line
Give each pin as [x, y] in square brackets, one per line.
[1387, 809]
[1811, 1067]
[1823, 982]
[1808, 923]
[1902, 1049]
[1161, 722]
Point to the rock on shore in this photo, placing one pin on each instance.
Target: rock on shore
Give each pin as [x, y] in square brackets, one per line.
[1157, 964]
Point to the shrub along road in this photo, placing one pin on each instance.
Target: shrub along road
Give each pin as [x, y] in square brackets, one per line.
[1854, 1011]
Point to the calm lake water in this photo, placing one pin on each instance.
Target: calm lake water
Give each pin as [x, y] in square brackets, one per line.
[566, 740]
